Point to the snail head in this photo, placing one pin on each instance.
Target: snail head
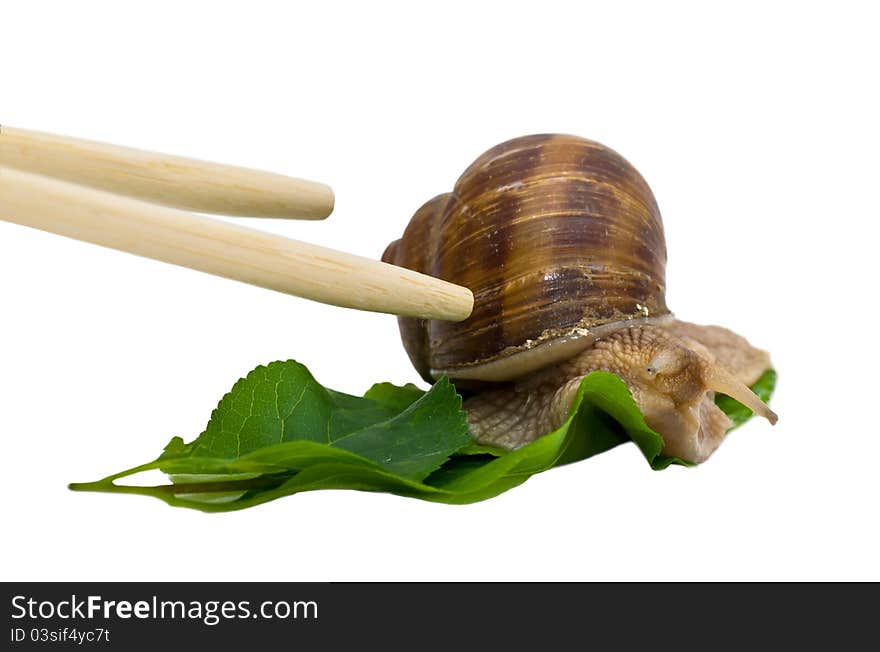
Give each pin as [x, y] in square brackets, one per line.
[674, 380]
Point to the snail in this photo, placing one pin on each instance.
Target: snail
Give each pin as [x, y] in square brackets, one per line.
[561, 241]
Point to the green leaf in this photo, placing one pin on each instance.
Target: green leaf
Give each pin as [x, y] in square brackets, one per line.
[278, 432]
[394, 397]
[282, 402]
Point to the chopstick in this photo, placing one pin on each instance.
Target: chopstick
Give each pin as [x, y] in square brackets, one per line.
[225, 249]
[163, 179]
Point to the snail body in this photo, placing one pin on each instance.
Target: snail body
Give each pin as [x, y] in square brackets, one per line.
[561, 242]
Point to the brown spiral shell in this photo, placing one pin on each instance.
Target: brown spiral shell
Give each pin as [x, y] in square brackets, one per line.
[554, 234]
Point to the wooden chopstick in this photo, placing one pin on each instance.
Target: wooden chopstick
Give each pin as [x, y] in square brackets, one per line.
[224, 249]
[171, 181]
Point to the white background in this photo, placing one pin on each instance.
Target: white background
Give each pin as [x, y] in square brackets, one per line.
[755, 125]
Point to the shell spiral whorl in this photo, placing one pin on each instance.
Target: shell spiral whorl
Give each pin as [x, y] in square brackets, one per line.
[555, 235]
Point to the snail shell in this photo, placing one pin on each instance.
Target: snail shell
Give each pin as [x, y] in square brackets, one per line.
[561, 242]
[556, 236]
